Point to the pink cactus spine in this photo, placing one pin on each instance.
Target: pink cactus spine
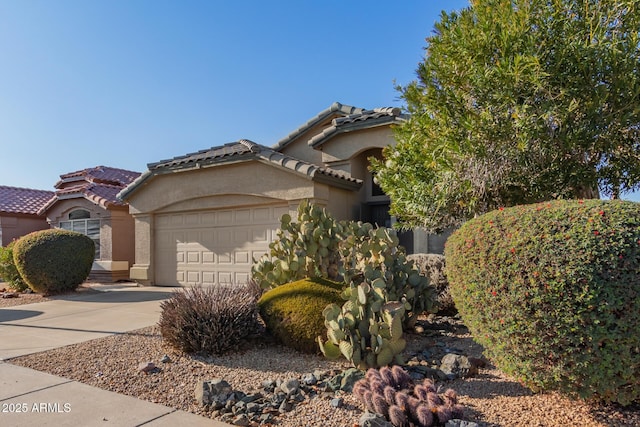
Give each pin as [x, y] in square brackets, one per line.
[402, 400]
[376, 386]
[367, 399]
[359, 388]
[371, 374]
[428, 384]
[443, 413]
[402, 379]
[457, 411]
[412, 406]
[387, 376]
[397, 417]
[390, 394]
[420, 392]
[380, 405]
[434, 400]
[450, 397]
[424, 416]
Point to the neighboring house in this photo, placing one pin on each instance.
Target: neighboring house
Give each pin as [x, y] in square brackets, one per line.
[202, 218]
[85, 201]
[19, 212]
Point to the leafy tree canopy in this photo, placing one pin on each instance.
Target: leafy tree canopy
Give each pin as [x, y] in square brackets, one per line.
[518, 101]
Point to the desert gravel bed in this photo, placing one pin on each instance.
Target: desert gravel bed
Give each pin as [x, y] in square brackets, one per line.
[491, 398]
[20, 298]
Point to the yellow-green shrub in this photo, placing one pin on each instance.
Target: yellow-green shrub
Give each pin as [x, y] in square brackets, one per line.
[293, 312]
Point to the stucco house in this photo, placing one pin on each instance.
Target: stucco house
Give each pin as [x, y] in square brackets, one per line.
[19, 212]
[202, 218]
[85, 201]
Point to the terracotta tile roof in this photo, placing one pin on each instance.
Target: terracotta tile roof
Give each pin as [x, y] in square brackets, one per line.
[362, 120]
[23, 200]
[335, 108]
[99, 174]
[99, 185]
[243, 150]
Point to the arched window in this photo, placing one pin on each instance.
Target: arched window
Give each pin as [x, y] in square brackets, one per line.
[79, 214]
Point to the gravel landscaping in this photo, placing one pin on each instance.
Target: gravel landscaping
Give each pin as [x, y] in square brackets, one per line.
[490, 398]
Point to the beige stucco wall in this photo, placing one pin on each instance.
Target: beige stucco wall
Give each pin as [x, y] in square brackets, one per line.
[15, 226]
[349, 144]
[254, 178]
[232, 185]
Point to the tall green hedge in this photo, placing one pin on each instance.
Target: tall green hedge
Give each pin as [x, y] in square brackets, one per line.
[552, 291]
[54, 261]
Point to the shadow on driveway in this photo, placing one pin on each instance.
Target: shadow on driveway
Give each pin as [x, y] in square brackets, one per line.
[9, 314]
[116, 296]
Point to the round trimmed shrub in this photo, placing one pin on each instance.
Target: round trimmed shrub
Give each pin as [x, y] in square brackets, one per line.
[8, 271]
[293, 312]
[54, 261]
[552, 292]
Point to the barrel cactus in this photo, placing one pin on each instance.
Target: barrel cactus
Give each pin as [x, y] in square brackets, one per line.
[391, 393]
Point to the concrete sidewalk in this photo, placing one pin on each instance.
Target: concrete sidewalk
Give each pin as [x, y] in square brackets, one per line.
[29, 397]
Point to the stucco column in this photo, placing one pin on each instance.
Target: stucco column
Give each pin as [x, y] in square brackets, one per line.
[142, 270]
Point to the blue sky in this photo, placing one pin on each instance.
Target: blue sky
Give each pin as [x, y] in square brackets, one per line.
[123, 83]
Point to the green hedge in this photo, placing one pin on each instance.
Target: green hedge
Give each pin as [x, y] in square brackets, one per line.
[552, 291]
[54, 261]
[8, 271]
[293, 312]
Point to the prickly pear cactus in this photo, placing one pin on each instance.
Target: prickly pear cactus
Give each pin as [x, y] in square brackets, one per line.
[307, 248]
[371, 253]
[366, 330]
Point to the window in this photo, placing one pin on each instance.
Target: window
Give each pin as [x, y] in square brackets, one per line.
[79, 214]
[88, 227]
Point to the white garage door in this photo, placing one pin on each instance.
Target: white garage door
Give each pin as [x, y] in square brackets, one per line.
[215, 246]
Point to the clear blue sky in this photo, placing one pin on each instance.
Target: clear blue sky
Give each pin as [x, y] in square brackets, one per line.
[123, 83]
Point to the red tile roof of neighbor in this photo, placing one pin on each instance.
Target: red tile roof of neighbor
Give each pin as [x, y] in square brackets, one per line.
[99, 174]
[99, 185]
[23, 200]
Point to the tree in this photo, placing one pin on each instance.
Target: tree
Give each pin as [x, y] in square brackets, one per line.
[518, 101]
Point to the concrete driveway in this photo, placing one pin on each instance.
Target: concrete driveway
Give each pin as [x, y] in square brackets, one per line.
[32, 398]
[69, 319]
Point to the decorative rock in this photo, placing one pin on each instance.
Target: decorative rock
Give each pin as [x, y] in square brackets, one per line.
[349, 378]
[461, 423]
[165, 359]
[10, 295]
[337, 402]
[309, 379]
[290, 386]
[285, 407]
[240, 420]
[269, 385]
[334, 383]
[319, 374]
[457, 365]
[369, 419]
[213, 393]
[266, 419]
[146, 367]
[252, 407]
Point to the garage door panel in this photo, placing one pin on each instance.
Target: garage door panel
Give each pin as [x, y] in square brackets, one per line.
[242, 258]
